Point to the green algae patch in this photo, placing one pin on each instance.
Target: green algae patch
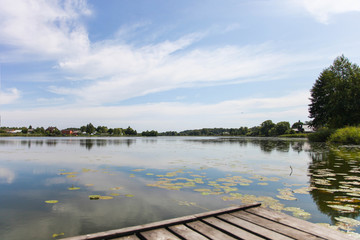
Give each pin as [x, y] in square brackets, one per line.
[286, 194]
[298, 212]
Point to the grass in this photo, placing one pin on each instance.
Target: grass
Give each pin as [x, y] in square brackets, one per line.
[347, 135]
[295, 135]
[322, 135]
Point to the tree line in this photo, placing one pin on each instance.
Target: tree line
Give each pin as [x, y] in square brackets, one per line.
[267, 128]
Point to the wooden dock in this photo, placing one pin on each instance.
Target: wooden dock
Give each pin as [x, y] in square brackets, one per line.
[240, 222]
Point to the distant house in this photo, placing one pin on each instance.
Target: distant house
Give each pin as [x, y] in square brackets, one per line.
[14, 131]
[51, 129]
[306, 128]
[67, 132]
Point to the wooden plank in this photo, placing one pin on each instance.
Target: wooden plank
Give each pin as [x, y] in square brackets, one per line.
[302, 225]
[131, 230]
[229, 228]
[274, 226]
[264, 232]
[186, 232]
[159, 234]
[131, 237]
[150, 226]
[209, 231]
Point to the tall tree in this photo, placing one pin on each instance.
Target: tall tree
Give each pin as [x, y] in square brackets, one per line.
[265, 127]
[335, 96]
[90, 128]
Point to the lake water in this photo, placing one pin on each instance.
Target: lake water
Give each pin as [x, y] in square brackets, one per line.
[46, 183]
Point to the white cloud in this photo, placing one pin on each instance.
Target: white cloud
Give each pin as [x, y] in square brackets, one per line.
[121, 71]
[9, 96]
[47, 28]
[170, 116]
[6, 175]
[322, 10]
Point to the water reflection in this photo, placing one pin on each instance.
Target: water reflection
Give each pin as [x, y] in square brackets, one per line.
[267, 145]
[336, 183]
[88, 143]
[166, 177]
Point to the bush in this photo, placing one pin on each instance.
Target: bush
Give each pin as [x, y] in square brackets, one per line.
[322, 135]
[347, 135]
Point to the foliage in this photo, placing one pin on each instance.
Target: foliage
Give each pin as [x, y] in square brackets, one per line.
[347, 135]
[265, 127]
[322, 135]
[335, 96]
[24, 130]
[130, 131]
[118, 131]
[280, 128]
[90, 129]
[102, 129]
[151, 133]
[295, 135]
[299, 126]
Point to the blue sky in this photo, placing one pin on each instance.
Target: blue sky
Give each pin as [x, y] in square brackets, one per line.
[168, 65]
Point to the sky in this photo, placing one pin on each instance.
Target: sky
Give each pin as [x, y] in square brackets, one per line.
[168, 65]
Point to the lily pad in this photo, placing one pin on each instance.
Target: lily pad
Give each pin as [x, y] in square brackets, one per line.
[344, 209]
[349, 221]
[55, 235]
[68, 173]
[106, 197]
[52, 201]
[73, 188]
[94, 197]
[70, 176]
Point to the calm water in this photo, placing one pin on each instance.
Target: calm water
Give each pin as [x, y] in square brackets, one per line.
[141, 180]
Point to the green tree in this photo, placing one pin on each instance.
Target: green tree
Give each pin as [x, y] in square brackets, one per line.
[281, 128]
[265, 127]
[297, 125]
[118, 131]
[335, 96]
[24, 130]
[130, 131]
[102, 129]
[90, 128]
[83, 129]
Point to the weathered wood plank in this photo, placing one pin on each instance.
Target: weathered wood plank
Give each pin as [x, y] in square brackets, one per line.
[159, 234]
[131, 237]
[186, 232]
[302, 225]
[274, 226]
[149, 226]
[264, 232]
[231, 229]
[209, 231]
